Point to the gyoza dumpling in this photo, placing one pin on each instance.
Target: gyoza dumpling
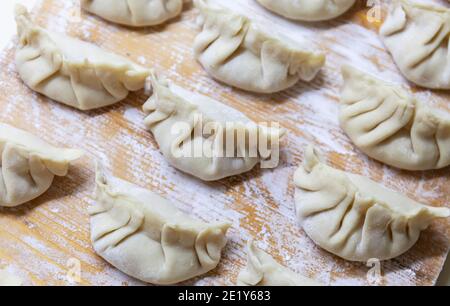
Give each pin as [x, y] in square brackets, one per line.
[145, 236]
[192, 130]
[8, 279]
[308, 10]
[355, 218]
[233, 50]
[263, 270]
[28, 165]
[391, 126]
[136, 13]
[417, 36]
[72, 71]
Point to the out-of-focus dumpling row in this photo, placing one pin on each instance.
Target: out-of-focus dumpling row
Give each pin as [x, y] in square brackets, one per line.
[308, 10]
[28, 165]
[135, 13]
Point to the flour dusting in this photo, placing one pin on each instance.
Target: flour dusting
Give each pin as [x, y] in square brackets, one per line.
[41, 237]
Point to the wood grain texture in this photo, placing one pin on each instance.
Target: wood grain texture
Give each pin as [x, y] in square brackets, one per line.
[39, 238]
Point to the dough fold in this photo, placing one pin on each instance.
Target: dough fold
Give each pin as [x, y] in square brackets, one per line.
[391, 126]
[236, 52]
[308, 10]
[417, 36]
[71, 71]
[263, 270]
[205, 138]
[28, 165]
[355, 218]
[135, 13]
[10, 280]
[146, 237]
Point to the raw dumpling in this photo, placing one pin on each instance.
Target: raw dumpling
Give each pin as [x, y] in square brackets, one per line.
[263, 270]
[146, 237]
[191, 131]
[308, 10]
[233, 50]
[355, 218]
[28, 165]
[417, 36]
[136, 13]
[391, 126]
[8, 279]
[72, 71]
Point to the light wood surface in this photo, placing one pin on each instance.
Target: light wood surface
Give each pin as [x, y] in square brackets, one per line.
[38, 240]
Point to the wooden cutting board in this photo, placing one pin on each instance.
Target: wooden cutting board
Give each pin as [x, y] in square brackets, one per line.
[40, 241]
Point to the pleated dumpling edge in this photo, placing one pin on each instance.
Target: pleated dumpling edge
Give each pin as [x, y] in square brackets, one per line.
[263, 270]
[136, 13]
[307, 10]
[72, 71]
[233, 50]
[355, 218]
[388, 124]
[194, 134]
[417, 37]
[145, 236]
[28, 165]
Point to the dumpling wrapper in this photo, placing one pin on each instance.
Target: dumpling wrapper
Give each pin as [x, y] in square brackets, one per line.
[170, 106]
[236, 52]
[135, 13]
[146, 237]
[355, 218]
[417, 36]
[391, 126]
[263, 270]
[28, 165]
[308, 10]
[8, 279]
[71, 71]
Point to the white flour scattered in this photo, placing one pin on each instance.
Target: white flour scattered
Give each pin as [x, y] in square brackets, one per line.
[266, 195]
[142, 60]
[133, 115]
